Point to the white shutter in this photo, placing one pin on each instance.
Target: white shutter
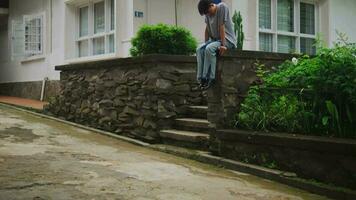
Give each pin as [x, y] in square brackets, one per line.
[18, 39]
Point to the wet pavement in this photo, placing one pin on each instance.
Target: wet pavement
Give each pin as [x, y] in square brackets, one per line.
[45, 159]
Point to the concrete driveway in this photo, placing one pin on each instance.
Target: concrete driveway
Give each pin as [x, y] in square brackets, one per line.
[44, 159]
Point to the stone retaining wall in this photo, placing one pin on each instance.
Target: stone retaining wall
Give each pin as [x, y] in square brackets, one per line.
[30, 90]
[138, 97]
[236, 72]
[328, 160]
[132, 96]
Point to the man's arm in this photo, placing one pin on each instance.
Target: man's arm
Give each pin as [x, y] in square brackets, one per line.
[222, 48]
[222, 34]
[206, 34]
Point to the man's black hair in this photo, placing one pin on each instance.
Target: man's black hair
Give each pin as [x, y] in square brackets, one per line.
[204, 5]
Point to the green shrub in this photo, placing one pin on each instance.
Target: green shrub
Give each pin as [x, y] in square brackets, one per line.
[314, 96]
[163, 39]
[238, 28]
[282, 112]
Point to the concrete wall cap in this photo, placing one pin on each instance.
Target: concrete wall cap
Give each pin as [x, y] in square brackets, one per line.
[122, 62]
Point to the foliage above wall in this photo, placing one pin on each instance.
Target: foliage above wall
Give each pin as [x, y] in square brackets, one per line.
[310, 95]
[163, 39]
[238, 28]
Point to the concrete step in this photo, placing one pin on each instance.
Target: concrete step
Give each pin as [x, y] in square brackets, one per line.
[200, 112]
[192, 124]
[185, 138]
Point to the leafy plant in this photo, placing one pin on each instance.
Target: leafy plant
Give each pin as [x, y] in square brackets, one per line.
[332, 109]
[163, 39]
[272, 113]
[312, 95]
[238, 28]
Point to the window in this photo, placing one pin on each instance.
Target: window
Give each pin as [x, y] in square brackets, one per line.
[96, 28]
[28, 36]
[285, 15]
[33, 35]
[99, 17]
[265, 14]
[266, 41]
[287, 26]
[307, 28]
[286, 44]
[83, 21]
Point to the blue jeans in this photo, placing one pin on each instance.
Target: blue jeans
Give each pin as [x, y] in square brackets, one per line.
[206, 59]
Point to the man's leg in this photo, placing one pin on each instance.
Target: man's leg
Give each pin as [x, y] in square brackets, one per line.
[200, 61]
[210, 60]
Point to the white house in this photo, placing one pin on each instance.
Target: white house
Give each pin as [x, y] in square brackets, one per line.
[36, 35]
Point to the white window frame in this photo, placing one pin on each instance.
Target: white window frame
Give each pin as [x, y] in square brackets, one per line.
[296, 33]
[19, 41]
[31, 53]
[91, 35]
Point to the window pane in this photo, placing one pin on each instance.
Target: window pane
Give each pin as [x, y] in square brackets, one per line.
[83, 21]
[285, 17]
[265, 14]
[98, 46]
[307, 18]
[111, 44]
[99, 17]
[83, 48]
[286, 44]
[307, 46]
[112, 15]
[266, 42]
[33, 36]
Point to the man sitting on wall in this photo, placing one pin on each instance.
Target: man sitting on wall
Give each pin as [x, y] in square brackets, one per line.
[219, 36]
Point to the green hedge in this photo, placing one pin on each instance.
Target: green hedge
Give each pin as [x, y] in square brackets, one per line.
[163, 39]
[313, 96]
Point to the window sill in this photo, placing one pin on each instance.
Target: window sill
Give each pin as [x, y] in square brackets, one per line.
[91, 58]
[33, 58]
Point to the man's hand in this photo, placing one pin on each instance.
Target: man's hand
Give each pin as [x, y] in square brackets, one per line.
[222, 50]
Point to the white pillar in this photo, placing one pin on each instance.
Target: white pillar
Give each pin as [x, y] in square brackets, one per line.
[124, 26]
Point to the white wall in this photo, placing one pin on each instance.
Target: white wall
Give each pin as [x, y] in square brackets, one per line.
[343, 19]
[161, 11]
[125, 26]
[324, 19]
[19, 71]
[59, 46]
[56, 39]
[189, 17]
[249, 13]
[140, 6]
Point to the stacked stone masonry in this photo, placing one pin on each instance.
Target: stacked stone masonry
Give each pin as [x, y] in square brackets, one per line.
[139, 96]
[135, 97]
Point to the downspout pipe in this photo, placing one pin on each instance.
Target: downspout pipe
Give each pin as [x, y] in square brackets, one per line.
[43, 88]
[45, 79]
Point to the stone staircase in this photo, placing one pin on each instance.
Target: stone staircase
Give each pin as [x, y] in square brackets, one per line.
[192, 130]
